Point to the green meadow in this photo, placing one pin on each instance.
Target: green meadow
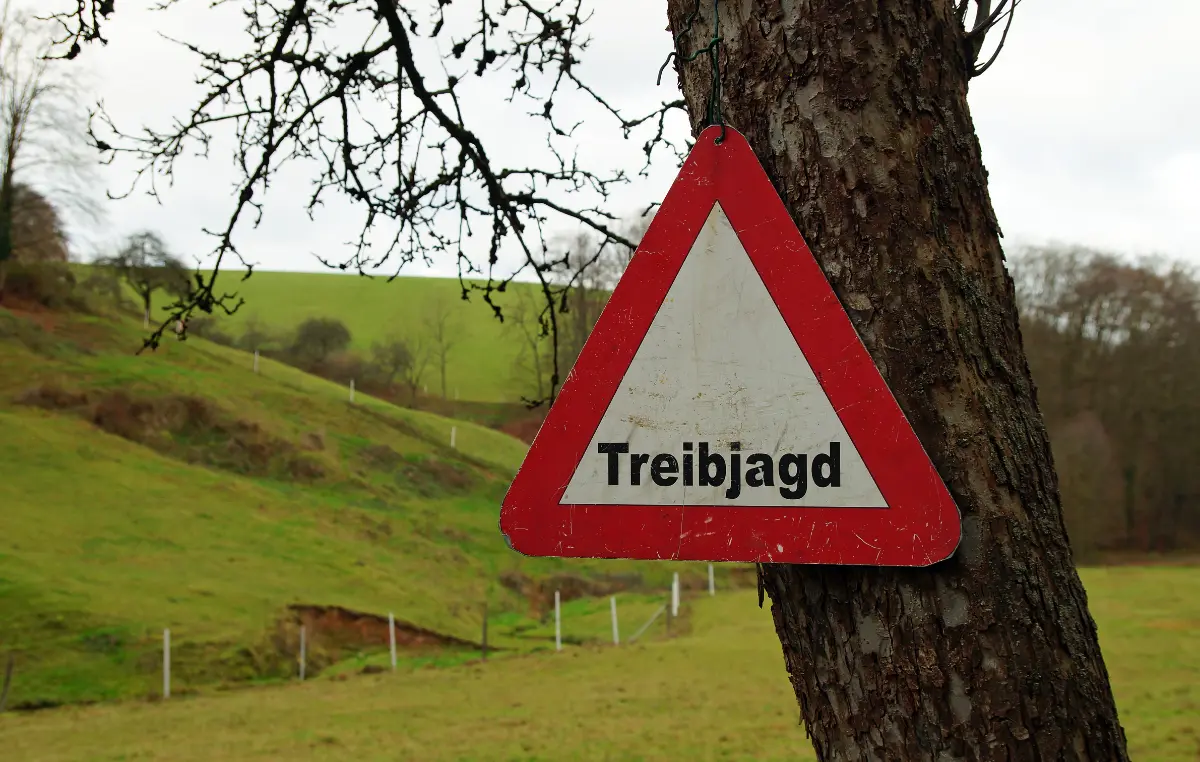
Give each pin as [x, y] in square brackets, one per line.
[718, 691]
[182, 490]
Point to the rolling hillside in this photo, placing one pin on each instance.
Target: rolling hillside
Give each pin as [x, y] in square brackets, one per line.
[180, 489]
[481, 364]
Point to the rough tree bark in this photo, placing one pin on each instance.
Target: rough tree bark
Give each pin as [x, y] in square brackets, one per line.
[857, 110]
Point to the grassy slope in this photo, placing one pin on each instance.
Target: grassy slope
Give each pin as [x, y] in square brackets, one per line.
[719, 693]
[480, 365]
[104, 541]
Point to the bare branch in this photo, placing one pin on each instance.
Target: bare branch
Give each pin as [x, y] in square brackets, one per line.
[986, 19]
[388, 133]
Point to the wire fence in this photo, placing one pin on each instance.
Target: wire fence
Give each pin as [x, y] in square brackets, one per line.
[670, 608]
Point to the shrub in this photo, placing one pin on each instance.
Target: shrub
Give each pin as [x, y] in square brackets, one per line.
[316, 340]
[206, 327]
[50, 284]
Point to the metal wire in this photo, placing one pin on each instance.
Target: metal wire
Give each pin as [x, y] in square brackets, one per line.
[713, 114]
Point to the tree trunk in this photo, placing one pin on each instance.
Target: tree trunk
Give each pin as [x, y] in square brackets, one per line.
[858, 112]
[1130, 507]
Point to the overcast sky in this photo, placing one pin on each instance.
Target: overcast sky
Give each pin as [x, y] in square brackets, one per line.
[1089, 122]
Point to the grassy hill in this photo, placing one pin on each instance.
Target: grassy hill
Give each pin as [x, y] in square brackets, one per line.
[180, 489]
[719, 692]
[481, 364]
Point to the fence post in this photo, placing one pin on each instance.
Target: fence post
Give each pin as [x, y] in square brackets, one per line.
[351, 391]
[557, 622]
[166, 663]
[453, 432]
[8, 673]
[256, 361]
[302, 652]
[712, 586]
[392, 638]
[675, 595]
[484, 631]
[616, 631]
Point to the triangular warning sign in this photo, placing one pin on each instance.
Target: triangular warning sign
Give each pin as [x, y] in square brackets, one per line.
[724, 408]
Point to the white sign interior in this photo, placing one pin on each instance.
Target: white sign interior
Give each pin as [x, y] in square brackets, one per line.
[720, 407]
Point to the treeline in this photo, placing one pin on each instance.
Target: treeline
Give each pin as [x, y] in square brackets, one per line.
[1114, 348]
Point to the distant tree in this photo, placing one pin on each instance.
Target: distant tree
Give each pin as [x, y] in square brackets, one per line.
[391, 357]
[256, 335]
[532, 366]
[587, 271]
[147, 266]
[403, 358]
[317, 339]
[441, 331]
[42, 132]
[37, 232]
[208, 327]
[413, 373]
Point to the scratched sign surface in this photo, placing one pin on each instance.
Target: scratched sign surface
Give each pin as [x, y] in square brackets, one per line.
[724, 408]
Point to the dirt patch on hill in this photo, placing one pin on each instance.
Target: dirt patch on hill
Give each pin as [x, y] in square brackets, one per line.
[30, 310]
[343, 628]
[190, 428]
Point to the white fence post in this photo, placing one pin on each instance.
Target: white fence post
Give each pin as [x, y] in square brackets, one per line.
[166, 663]
[392, 638]
[557, 622]
[616, 631]
[351, 391]
[453, 433]
[302, 649]
[712, 586]
[675, 595]
[256, 361]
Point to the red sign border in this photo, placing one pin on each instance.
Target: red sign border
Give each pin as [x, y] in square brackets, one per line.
[921, 524]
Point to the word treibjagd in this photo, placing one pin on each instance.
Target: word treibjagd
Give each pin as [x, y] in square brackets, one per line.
[705, 468]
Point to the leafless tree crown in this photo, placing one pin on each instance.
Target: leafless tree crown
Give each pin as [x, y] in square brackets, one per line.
[387, 133]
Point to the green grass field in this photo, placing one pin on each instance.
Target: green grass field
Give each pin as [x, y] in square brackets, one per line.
[717, 693]
[481, 364]
[180, 489]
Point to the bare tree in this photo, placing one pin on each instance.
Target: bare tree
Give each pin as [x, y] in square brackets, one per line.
[377, 115]
[41, 134]
[531, 367]
[413, 373]
[145, 263]
[441, 327]
[587, 271]
[391, 357]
